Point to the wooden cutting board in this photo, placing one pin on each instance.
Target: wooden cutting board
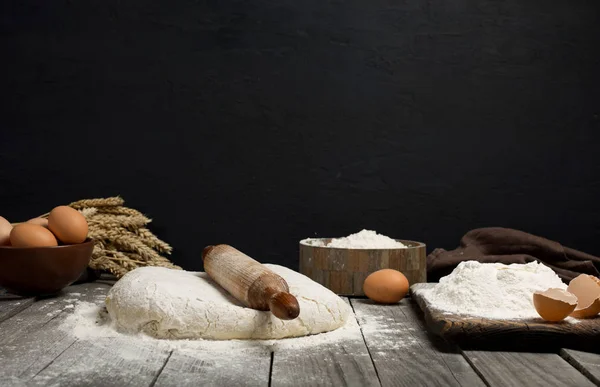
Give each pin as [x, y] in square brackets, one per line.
[529, 335]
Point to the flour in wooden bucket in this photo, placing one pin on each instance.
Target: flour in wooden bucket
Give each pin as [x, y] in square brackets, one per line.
[365, 239]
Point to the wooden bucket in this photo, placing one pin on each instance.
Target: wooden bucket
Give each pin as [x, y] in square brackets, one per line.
[343, 271]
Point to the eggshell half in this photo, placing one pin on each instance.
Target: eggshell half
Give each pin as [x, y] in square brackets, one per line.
[554, 304]
[587, 289]
[386, 286]
[589, 311]
[5, 229]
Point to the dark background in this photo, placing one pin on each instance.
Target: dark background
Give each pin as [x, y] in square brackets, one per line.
[260, 123]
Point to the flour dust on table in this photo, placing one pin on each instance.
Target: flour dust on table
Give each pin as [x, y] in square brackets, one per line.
[91, 323]
[176, 304]
[492, 290]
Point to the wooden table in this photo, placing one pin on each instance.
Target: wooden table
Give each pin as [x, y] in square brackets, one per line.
[399, 352]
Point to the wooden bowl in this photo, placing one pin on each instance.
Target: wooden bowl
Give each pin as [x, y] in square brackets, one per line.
[343, 271]
[40, 271]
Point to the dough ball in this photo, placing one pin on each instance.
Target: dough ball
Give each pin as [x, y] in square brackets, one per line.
[177, 304]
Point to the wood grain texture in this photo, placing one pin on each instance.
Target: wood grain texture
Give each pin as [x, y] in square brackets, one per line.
[587, 363]
[522, 368]
[252, 283]
[481, 333]
[399, 351]
[44, 310]
[343, 363]
[343, 271]
[404, 353]
[87, 363]
[215, 368]
[461, 370]
[11, 304]
[32, 339]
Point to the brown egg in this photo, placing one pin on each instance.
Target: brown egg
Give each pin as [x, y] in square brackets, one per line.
[554, 304]
[39, 221]
[5, 229]
[68, 224]
[386, 286]
[31, 235]
[587, 289]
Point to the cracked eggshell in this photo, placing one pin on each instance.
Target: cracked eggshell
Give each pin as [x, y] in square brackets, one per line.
[386, 286]
[554, 304]
[587, 289]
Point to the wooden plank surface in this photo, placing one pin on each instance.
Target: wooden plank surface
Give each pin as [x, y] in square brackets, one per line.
[404, 353]
[399, 351]
[481, 333]
[216, 368]
[44, 310]
[587, 363]
[107, 362]
[461, 369]
[11, 304]
[32, 339]
[523, 368]
[342, 362]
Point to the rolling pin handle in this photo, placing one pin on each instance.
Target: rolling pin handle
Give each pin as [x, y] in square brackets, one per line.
[284, 306]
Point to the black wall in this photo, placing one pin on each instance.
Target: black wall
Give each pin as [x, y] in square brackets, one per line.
[259, 123]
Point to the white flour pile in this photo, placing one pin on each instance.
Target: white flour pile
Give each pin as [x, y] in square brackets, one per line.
[365, 239]
[492, 290]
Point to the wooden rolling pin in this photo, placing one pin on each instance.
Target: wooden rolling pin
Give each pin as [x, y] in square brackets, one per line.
[249, 281]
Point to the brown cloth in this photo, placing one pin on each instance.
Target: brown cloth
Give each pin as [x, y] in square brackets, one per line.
[504, 245]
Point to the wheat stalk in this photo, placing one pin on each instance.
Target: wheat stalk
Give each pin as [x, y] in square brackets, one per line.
[103, 263]
[115, 221]
[104, 235]
[152, 241]
[123, 240]
[107, 202]
[88, 212]
[119, 211]
[134, 245]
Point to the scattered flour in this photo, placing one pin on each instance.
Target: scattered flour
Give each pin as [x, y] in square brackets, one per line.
[185, 362]
[492, 290]
[365, 239]
[90, 322]
[380, 329]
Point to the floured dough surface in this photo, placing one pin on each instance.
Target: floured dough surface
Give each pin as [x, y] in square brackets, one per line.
[176, 304]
